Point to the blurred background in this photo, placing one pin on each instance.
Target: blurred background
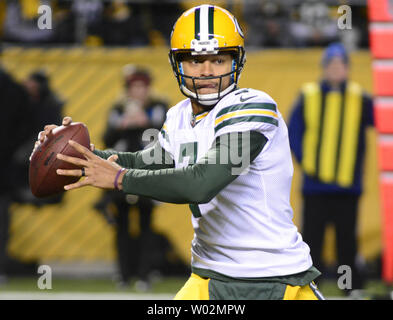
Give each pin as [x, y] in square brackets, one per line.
[81, 62]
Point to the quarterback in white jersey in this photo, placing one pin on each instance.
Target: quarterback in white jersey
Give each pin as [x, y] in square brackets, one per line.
[225, 152]
[246, 229]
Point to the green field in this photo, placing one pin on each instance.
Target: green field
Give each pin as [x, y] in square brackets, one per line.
[165, 288]
[166, 285]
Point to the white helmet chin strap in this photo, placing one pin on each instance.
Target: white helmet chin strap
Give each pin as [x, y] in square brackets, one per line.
[207, 99]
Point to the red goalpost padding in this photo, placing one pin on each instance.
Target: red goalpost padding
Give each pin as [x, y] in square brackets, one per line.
[380, 13]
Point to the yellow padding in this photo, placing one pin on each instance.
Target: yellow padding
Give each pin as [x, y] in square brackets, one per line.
[330, 137]
[349, 144]
[30, 8]
[312, 113]
[299, 293]
[196, 288]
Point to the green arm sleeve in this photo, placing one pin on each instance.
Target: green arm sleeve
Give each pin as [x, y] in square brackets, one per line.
[200, 182]
[152, 158]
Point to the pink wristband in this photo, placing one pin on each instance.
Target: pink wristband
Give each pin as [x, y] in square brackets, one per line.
[117, 178]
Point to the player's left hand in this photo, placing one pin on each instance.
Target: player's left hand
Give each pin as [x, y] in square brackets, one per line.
[98, 172]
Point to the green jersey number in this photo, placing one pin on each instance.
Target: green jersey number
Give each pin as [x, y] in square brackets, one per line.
[190, 150]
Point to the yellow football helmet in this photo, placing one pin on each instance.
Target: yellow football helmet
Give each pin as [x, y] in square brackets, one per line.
[206, 30]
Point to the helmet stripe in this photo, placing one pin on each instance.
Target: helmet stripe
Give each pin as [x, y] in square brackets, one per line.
[197, 23]
[211, 22]
[204, 22]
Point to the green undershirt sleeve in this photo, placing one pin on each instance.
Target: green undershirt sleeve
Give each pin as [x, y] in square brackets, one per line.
[199, 182]
[152, 158]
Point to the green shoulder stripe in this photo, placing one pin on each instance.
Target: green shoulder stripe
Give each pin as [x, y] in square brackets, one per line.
[245, 106]
[164, 134]
[246, 119]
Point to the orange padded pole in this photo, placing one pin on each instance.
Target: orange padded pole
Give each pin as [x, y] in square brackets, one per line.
[381, 41]
[385, 152]
[383, 78]
[383, 113]
[380, 13]
[379, 10]
[387, 207]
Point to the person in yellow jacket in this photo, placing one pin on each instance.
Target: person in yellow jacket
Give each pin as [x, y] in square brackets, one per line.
[327, 137]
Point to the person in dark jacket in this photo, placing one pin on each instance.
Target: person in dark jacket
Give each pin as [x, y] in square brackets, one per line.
[15, 109]
[27, 106]
[327, 129]
[135, 111]
[46, 107]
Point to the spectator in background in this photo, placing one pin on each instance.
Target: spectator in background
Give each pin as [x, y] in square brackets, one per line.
[87, 15]
[136, 111]
[70, 21]
[25, 109]
[45, 107]
[64, 21]
[312, 24]
[121, 24]
[44, 101]
[14, 108]
[267, 24]
[327, 136]
[159, 29]
[21, 23]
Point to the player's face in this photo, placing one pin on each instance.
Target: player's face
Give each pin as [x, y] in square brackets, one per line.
[207, 66]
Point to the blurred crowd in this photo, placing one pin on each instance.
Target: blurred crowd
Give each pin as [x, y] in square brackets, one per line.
[28, 106]
[267, 23]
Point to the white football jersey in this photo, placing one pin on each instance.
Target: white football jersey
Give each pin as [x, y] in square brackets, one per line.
[246, 230]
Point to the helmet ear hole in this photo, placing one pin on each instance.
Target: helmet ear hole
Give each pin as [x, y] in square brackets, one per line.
[183, 81]
[233, 69]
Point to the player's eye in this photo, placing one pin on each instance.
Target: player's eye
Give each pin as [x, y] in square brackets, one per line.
[219, 61]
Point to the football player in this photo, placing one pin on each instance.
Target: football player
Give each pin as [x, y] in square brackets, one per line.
[225, 152]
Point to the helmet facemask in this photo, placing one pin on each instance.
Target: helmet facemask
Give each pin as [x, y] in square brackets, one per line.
[238, 59]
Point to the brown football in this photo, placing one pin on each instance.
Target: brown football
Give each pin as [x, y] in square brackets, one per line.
[43, 179]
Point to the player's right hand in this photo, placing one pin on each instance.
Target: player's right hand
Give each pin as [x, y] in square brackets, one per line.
[48, 131]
